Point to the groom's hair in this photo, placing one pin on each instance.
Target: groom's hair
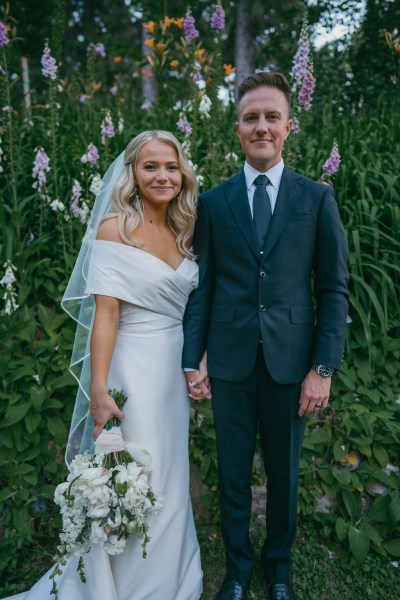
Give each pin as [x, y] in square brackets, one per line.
[271, 79]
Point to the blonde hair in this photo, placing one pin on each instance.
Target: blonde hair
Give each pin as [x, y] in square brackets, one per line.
[128, 205]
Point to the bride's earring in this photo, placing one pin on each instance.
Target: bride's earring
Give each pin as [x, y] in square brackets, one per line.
[137, 194]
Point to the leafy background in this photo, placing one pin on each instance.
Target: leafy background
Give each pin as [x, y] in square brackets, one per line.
[349, 486]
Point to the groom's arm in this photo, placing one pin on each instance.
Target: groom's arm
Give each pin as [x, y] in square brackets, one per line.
[330, 285]
[196, 319]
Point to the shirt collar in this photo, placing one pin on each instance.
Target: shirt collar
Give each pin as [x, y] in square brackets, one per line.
[274, 174]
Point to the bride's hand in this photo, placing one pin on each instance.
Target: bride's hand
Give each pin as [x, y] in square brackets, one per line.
[102, 408]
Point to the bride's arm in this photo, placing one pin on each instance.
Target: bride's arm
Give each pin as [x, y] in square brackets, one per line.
[102, 406]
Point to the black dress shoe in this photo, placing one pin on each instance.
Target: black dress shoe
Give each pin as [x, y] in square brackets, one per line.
[280, 591]
[233, 590]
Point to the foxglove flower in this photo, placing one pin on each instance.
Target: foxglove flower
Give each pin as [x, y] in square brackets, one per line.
[10, 295]
[97, 49]
[76, 194]
[189, 28]
[95, 186]
[307, 89]
[121, 123]
[113, 90]
[91, 156]
[3, 35]
[218, 19]
[107, 128]
[301, 58]
[57, 206]
[332, 164]
[183, 125]
[204, 107]
[41, 166]
[49, 65]
[83, 98]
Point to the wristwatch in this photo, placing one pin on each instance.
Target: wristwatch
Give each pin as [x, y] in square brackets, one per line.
[323, 370]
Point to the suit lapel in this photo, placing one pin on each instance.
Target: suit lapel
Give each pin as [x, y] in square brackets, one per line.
[236, 196]
[288, 196]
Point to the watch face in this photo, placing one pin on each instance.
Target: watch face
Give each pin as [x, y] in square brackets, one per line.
[323, 370]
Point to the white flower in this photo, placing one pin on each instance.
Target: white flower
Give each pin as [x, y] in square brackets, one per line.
[10, 294]
[186, 148]
[114, 545]
[84, 213]
[57, 206]
[120, 124]
[391, 469]
[201, 84]
[231, 156]
[205, 106]
[95, 186]
[97, 533]
[395, 563]
[200, 180]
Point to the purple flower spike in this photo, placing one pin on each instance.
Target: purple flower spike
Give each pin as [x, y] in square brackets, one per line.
[307, 89]
[107, 128]
[218, 19]
[49, 64]
[301, 58]
[183, 125]
[97, 49]
[3, 35]
[189, 28]
[332, 164]
[41, 166]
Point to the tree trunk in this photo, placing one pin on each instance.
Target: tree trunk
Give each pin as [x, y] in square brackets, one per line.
[149, 82]
[244, 44]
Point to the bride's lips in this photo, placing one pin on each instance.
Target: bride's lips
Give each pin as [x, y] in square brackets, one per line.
[161, 188]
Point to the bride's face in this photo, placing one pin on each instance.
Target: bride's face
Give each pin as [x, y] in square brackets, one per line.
[157, 173]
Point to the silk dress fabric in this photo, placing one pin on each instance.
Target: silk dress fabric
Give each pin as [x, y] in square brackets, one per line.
[146, 364]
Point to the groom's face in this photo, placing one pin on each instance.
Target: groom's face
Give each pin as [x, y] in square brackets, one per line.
[263, 126]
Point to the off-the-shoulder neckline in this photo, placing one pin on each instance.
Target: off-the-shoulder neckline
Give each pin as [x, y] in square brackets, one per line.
[147, 253]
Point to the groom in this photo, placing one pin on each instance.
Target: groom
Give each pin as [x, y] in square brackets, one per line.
[265, 239]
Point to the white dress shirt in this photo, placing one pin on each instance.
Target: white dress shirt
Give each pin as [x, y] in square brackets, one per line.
[274, 175]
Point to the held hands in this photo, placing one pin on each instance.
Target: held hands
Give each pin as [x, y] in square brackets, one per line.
[314, 395]
[102, 408]
[198, 381]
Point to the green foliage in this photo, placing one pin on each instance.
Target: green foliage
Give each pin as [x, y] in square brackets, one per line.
[351, 452]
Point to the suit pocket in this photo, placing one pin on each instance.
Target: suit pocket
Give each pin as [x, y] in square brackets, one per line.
[223, 313]
[300, 217]
[302, 314]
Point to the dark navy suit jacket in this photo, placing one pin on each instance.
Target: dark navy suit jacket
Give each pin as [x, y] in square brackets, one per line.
[293, 296]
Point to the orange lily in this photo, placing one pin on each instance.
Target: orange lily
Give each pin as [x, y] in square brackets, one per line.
[149, 26]
[229, 69]
[174, 63]
[149, 42]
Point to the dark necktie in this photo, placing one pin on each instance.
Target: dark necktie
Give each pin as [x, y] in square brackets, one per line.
[262, 212]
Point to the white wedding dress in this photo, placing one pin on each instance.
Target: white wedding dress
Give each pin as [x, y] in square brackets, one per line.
[146, 364]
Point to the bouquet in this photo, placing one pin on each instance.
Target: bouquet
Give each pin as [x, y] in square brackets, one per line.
[106, 497]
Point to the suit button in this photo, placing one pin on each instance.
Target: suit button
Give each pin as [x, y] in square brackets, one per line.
[263, 274]
[262, 307]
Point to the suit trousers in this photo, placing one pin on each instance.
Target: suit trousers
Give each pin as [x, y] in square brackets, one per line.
[241, 409]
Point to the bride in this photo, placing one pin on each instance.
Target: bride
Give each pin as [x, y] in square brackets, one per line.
[128, 293]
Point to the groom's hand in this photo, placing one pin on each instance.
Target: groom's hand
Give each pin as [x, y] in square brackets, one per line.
[314, 395]
[198, 385]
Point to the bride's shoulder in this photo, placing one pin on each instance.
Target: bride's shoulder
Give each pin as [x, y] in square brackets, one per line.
[108, 230]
